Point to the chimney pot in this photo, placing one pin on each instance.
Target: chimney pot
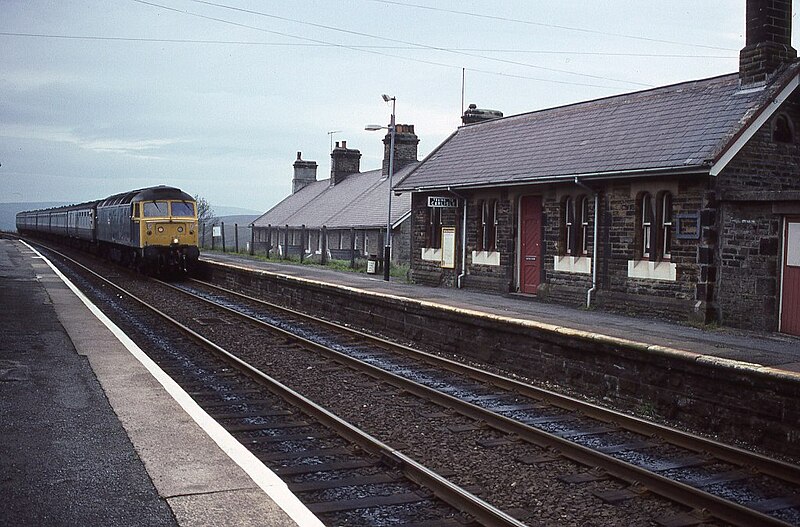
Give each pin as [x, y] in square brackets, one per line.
[476, 115]
[298, 155]
[405, 147]
[344, 161]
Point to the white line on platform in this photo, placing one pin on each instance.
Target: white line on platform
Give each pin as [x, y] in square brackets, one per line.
[261, 475]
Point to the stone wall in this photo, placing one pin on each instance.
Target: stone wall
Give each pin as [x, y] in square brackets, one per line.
[751, 190]
[736, 402]
[430, 272]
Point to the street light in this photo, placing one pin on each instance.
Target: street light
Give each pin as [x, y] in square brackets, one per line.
[387, 247]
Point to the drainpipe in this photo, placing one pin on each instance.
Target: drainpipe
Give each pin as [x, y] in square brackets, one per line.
[460, 277]
[592, 289]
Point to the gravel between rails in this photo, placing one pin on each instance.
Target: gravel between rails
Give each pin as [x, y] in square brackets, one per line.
[498, 474]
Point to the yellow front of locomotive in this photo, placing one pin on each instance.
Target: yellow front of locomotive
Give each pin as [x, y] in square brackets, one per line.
[167, 232]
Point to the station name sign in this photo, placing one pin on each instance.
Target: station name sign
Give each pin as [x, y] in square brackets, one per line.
[442, 202]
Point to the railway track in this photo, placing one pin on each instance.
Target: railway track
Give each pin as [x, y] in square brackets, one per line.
[343, 474]
[713, 479]
[538, 428]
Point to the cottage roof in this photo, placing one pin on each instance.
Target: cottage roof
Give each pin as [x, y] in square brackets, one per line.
[359, 201]
[682, 127]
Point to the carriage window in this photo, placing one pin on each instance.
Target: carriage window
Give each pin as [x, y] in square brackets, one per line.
[154, 209]
[182, 208]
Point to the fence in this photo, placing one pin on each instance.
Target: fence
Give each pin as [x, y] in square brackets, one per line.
[358, 246]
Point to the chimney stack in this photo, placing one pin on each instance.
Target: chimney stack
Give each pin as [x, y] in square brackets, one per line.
[405, 148]
[344, 161]
[768, 40]
[475, 115]
[305, 173]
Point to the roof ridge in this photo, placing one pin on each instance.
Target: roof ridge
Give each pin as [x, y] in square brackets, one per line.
[600, 99]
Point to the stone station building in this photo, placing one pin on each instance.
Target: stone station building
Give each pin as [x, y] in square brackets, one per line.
[681, 202]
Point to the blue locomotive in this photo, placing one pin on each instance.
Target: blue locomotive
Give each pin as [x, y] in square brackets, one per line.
[152, 229]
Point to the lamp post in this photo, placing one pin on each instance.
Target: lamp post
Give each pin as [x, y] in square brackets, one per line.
[387, 248]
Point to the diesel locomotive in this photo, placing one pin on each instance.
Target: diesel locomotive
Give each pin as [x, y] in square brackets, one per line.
[152, 229]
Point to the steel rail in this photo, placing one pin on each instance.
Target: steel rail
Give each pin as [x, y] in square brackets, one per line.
[444, 489]
[781, 470]
[695, 498]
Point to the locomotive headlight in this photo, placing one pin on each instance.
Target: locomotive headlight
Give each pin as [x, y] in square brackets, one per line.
[180, 228]
[160, 229]
[175, 241]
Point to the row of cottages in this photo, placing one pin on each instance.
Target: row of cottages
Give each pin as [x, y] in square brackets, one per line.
[346, 214]
[680, 202]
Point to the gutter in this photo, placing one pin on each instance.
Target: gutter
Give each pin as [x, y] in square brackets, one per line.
[592, 289]
[701, 169]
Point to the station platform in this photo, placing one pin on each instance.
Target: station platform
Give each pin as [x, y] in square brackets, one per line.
[753, 349]
[93, 433]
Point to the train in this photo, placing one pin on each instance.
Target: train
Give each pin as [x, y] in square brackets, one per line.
[152, 229]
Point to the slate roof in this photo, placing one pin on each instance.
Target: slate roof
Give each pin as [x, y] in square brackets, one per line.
[360, 201]
[680, 127]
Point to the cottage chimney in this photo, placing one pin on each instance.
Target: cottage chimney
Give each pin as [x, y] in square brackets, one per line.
[475, 115]
[767, 41]
[305, 173]
[344, 161]
[405, 148]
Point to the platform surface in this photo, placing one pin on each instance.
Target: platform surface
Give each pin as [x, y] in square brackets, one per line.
[89, 434]
[774, 350]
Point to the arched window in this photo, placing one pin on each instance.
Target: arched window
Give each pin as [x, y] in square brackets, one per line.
[666, 225]
[645, 224]
[583, 211]
[481, 233]
[495, 224]
[569, 226]
[782, 129]
[487, 225]
[434, 233]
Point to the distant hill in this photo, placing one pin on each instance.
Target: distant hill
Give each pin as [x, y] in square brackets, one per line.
[234, 211]
[8, 212]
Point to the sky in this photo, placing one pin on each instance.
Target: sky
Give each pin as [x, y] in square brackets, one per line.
[217, 97]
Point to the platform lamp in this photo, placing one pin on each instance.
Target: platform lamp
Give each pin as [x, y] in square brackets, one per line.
[387, 248]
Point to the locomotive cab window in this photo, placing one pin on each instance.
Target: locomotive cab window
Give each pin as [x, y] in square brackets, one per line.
[182, 208]
[135, 213]
[154, 209]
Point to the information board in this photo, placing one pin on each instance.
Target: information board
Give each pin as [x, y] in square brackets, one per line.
[449, 247]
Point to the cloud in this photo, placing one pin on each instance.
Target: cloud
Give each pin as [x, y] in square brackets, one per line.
[142, 148]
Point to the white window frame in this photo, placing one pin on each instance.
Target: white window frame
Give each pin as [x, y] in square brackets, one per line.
[583, 250]
[666, 226]
[569, 220]
[646, 226]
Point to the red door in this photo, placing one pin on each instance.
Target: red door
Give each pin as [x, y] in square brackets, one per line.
[790, 290]
[530, 254]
